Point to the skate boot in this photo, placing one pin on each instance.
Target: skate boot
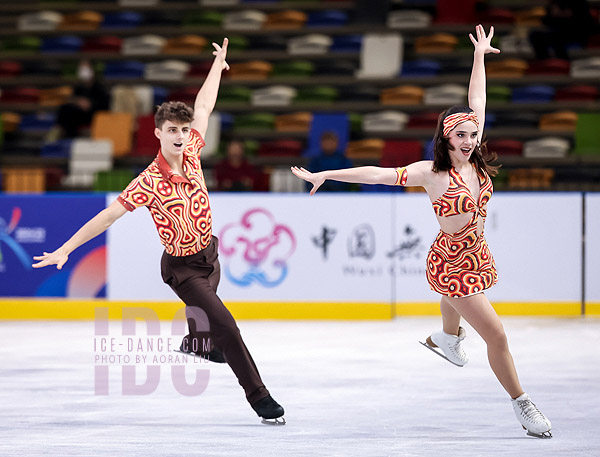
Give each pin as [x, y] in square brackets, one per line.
[213, 356]
[448, 346]
[269, 410]
[531, 418]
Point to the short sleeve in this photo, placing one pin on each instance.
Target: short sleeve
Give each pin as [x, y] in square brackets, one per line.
[401, 175]
[195, 143]
[138, 193]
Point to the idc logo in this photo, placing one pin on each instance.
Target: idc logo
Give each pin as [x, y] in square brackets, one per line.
[255, 249]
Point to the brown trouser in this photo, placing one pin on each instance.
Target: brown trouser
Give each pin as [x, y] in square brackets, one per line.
[194, 279]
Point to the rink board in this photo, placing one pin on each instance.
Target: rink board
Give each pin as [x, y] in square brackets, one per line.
[350, 256]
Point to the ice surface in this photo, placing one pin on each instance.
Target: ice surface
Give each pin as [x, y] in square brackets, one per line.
[349, 389]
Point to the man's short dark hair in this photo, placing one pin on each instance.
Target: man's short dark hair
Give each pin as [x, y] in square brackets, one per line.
[176, 112]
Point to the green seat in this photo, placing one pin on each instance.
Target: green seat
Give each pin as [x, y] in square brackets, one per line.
[499, 94]
[317, 94]
[235, 94]
[355, 122]
[236, 42]
[294, 68]
[263, 121]
[22, 44]
[587, 134]
[203, 18]
[112, 180]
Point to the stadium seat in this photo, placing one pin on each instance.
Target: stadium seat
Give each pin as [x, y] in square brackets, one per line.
[24, 179]
[112, 180]
[560, 120]
[587, 134]
[399, 153]
[115, 127]
[327, 122]
[145, 142]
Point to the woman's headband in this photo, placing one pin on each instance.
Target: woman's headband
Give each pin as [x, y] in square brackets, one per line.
[458, 118]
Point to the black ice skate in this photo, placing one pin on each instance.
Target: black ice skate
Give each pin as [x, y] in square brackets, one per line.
[213, 356]
[270, 411]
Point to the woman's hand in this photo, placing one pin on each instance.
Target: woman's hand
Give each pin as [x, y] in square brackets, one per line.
[483, 43]
[316, 179]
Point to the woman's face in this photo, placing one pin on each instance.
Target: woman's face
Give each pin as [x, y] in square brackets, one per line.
[462, 141]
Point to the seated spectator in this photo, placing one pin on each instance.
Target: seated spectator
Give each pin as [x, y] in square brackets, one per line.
[566, 23]
[330, 158]
[89, 96]
[234, 173]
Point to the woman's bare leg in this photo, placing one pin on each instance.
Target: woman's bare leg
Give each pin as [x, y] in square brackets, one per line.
[480, 314]
[450, 317]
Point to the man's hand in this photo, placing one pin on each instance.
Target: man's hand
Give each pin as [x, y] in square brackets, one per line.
[58, 258]
[220, 53]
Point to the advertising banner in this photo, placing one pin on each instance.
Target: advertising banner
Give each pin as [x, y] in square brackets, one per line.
[535, 239]
[272, 248]
[357, 248]
[32, 224]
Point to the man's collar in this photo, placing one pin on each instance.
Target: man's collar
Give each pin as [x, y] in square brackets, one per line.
[167, 172]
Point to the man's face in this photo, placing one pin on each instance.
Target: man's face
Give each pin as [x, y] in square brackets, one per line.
[173, 137]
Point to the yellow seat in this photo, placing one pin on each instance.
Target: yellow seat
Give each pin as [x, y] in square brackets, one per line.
[402, 95]
[116, 127]
[560, 120]
[530, 178]
[24, 179]
[370, 148]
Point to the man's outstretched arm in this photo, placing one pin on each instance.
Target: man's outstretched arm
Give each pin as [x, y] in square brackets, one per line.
[91, 229]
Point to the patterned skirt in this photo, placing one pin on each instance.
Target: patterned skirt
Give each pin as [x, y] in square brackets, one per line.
[460, 264]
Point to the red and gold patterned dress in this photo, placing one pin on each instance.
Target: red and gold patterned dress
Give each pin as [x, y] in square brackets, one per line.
[460, 264]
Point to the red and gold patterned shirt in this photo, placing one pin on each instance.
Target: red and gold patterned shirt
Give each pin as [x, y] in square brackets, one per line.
[178, 204]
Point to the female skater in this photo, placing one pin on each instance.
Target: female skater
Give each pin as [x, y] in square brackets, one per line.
[459, 264]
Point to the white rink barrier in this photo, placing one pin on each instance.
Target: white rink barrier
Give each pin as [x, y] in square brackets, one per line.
[366, 248]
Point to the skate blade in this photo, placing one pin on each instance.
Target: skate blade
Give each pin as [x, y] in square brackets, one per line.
[544, 435]
[276, 421]
[191, 354]
[440, 354]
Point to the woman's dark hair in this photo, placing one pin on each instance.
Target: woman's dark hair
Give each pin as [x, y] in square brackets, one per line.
[481, 157]
[176, 112]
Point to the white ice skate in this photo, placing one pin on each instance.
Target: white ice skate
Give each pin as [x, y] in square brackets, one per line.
[531, 418]
[448, 346]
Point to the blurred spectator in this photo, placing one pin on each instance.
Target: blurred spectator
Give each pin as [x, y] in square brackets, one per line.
[330, 158]
[234, 173]
[89, 96]
[566, 23]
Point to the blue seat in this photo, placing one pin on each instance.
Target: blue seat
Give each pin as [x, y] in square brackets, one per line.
[346, 43]
[124, 69]
[490, 120]
[125, 19]
[420, 67]
[227, 121]
[329, 18]
[60, 148]
[327, 122]
[37, 121]
[65, 43]
[534, 93]
[160, 94]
